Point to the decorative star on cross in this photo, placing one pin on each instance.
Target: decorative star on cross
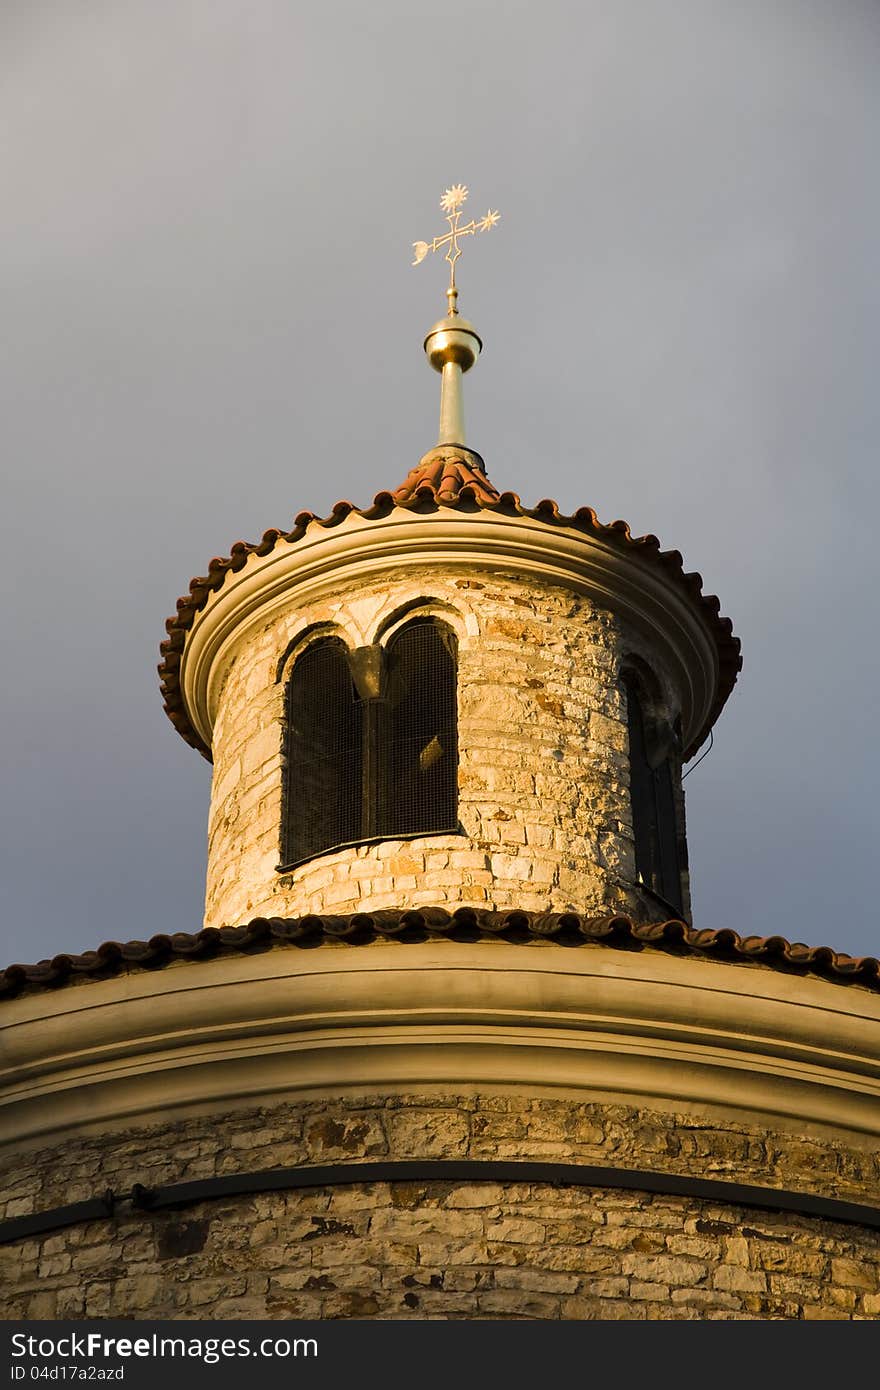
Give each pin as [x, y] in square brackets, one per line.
[451, 203]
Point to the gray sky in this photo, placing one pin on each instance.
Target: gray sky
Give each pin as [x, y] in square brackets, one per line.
[211, 322]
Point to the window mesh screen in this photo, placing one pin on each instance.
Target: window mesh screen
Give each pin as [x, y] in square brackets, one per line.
[420, 791]
[641, 788]
[669, 869]
[324, 754]
[653, 808]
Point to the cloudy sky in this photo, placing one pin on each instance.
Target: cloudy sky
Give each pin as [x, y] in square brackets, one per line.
[210, 322]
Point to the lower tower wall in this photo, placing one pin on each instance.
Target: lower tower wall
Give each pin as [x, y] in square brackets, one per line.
[435, 1248]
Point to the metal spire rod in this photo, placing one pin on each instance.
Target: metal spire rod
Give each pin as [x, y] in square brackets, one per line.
[453, 347]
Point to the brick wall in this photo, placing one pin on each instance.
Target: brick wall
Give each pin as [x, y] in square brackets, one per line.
[444, 1249]
[543, 775]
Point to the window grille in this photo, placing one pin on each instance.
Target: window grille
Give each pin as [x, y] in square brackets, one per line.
[371, 742]
[422, 751]
[324, 753]
[652, 794]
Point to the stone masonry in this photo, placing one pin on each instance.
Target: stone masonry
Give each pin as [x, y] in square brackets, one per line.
[444, 1249]
[544, 803]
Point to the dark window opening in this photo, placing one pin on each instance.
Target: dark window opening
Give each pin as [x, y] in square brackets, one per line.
[324, 753]
[371, 742]
[422, 747]
[652, 791]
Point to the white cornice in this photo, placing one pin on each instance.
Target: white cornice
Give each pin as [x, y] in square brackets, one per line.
[359, 551]
[672, 1033]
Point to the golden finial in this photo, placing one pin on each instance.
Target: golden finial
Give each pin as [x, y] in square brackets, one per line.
[451, 203]
[452, 348]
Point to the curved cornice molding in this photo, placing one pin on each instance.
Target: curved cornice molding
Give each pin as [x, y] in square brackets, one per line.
[608, 554]
[671, 1033]
[359, 551]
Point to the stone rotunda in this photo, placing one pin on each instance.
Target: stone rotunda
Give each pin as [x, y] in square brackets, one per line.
[448, 1044]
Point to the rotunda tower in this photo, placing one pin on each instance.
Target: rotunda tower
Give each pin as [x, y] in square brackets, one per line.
[571, 666]
[448, 1043]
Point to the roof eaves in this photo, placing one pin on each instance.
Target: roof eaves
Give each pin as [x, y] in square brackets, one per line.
[460, 924]
[423, 496]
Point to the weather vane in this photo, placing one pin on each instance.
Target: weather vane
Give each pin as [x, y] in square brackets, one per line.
[453, 345]
[451, 203]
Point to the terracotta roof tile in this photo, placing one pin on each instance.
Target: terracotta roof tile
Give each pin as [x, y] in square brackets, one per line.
[446, 477]
[446, 474]
[460, 924]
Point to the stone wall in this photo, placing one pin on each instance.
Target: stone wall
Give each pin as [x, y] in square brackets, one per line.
[444, 1249]
[543, 765]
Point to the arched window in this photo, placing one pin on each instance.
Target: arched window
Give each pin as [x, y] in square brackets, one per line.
[371, 742]
[422, 741]
[324, 754]
[652, 793]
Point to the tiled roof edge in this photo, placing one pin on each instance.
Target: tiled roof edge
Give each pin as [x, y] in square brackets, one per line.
[427, 497]
[462, 924]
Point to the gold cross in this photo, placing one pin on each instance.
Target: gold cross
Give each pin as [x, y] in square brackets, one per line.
[451, 203]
